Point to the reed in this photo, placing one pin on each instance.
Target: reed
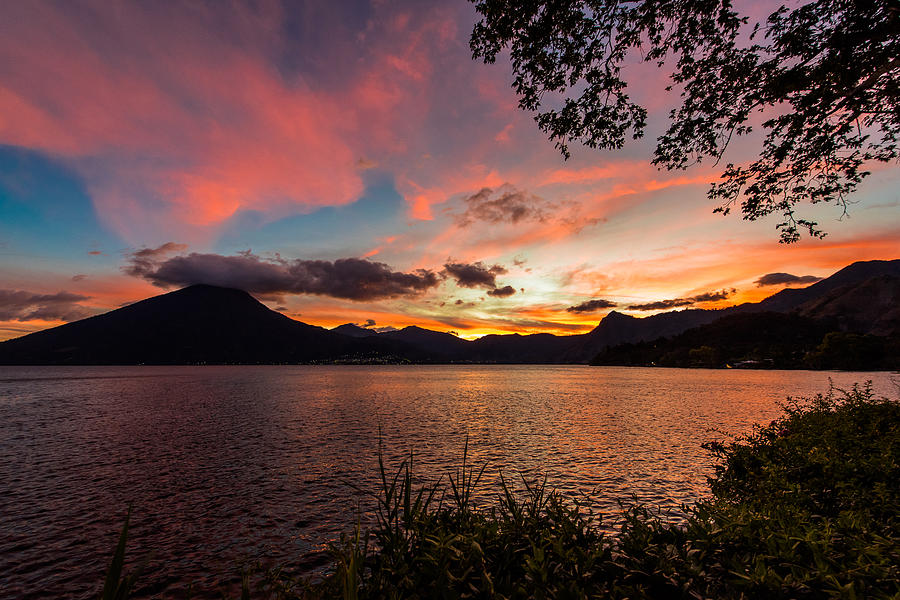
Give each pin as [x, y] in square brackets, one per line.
[805, 507]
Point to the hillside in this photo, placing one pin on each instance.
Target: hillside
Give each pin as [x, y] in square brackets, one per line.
[208, 324]
[197, 324]
[791, 298]
[870, 307]
[769, 339]
[854, 326]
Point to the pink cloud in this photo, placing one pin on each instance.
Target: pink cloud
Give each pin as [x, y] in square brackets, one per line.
[183, 127]
[582, 175]
[503, 135]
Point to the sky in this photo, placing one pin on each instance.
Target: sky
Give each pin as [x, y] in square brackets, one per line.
[350, 162]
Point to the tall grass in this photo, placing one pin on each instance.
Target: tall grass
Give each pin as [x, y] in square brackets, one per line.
[117, 585]
[805, 507]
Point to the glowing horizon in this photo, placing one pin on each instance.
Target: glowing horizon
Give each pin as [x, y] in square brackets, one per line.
[283, 145]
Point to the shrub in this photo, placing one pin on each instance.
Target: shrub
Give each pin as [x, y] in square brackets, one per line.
[805, 507]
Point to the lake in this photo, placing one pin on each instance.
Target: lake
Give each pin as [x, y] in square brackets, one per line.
[230, 464]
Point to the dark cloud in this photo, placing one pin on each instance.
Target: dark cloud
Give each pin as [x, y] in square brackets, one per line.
[590, 306]
[503, 292]
[577, 223]
[679, 302]
[713, 296]
[479, 275]
[79, 277]
[18, 305]
[385, 329]
[507, 204]
[785, 279]
[143, 261]
[154, 253]
[474, 275]
[504, 205]
[662, 304]
[366, 325]
[349, 278]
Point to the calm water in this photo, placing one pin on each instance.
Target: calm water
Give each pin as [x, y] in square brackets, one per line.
[226, 465]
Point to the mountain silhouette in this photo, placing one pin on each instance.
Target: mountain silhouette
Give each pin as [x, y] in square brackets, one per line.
[848, 321]
[197, 324]
[354, 330]
[208, 324]
[868, 307]
[517, 348]
[435, 343]
[617, 328]
[790, 298]
[768, 339]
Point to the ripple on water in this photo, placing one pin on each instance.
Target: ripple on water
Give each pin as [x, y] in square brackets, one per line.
[227, 465]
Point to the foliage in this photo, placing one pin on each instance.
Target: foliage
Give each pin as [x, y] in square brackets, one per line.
[772, 340]
[824, 79]
[842, 350]
[426, 545]
[809, 503]
[117, 585]
[805, 507]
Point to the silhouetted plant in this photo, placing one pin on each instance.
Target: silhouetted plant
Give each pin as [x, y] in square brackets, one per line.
[805, 507]
[822, 75]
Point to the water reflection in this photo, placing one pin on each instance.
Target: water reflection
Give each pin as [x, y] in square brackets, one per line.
[233, 464]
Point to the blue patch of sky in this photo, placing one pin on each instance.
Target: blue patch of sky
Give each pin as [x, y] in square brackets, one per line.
[47, 214]
[329, 232]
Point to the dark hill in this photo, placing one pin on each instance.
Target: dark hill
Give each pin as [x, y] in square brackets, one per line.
[617, 328]
[354, 330]
[207, 324]
[516, 348]
[769, 339]
[197, 324]
[868, 307]
[854, 326]
[791, 298]
[435, 343]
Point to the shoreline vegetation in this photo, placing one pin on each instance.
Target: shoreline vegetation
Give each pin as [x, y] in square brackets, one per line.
[848, 321]
[761, 341]
[807, 506]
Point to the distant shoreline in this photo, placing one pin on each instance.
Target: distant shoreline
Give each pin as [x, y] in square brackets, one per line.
[452, 364]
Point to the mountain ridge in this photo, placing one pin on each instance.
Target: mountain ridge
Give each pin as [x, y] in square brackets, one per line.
[196, 324]
[209, 324]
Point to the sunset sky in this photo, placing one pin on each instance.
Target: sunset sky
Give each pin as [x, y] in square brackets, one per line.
[350, 162]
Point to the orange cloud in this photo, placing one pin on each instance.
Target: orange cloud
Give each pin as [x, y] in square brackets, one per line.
[699, 267]
[447, 185]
